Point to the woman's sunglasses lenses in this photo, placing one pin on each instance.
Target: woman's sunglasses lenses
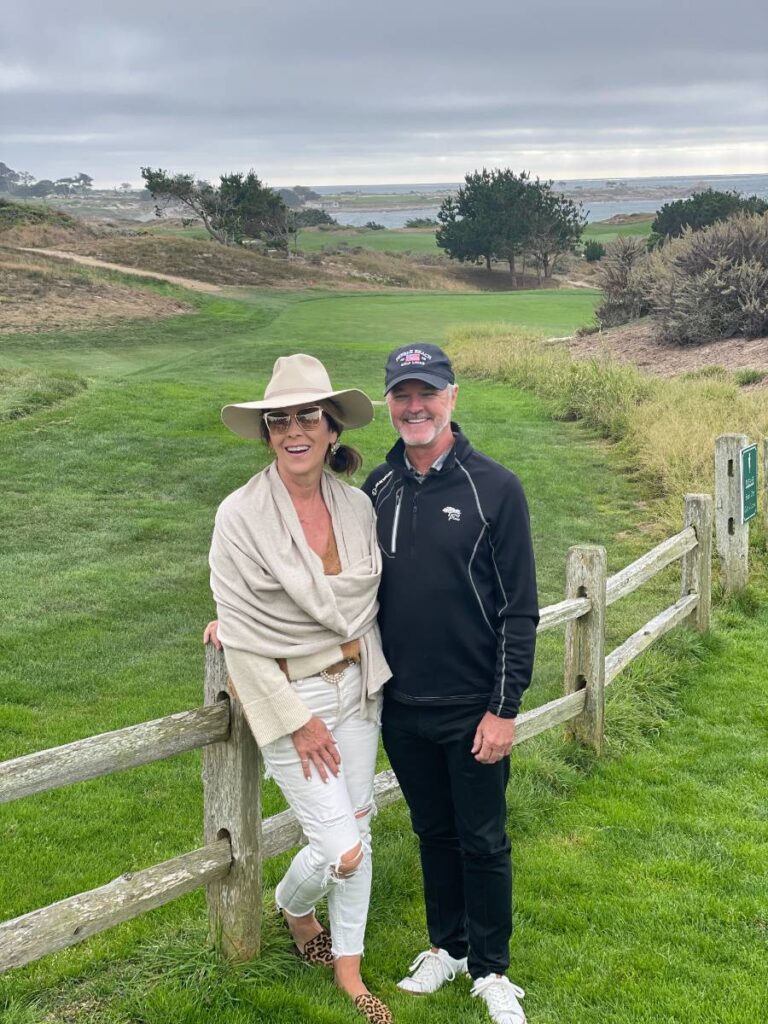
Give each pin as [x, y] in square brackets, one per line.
[307, 419]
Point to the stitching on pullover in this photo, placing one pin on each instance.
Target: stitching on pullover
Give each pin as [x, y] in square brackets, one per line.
[503, 641]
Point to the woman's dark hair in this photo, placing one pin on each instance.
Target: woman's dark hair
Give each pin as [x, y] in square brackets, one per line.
[345, 459]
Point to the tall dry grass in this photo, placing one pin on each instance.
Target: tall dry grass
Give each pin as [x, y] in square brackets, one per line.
[666, 427]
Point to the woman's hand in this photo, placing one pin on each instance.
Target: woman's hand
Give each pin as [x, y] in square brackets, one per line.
[314, 742]
[211, 634]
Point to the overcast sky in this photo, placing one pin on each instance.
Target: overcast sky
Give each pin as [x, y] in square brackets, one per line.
[344, 91]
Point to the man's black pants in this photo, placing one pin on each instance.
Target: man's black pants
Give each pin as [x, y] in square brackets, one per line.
[458, 811]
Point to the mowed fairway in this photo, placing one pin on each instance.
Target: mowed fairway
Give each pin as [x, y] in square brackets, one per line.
[108, 506]
[422, 240]
[417, 241]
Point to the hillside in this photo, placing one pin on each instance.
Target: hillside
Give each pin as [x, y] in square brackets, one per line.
[37, 224]
[42, 294]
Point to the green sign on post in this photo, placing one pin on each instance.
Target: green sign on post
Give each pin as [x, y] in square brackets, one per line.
[748, 482]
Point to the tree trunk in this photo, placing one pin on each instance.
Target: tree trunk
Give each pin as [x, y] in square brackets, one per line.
[488, 262]
[512, 271]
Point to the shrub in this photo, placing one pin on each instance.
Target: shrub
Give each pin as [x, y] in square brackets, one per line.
[593, 251]
[421, 222]
[623, 281]
[705, 285]
[373, 226]
[712, 283]
[313, 218]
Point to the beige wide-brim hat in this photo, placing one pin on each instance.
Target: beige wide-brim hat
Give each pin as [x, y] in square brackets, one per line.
[297, 380]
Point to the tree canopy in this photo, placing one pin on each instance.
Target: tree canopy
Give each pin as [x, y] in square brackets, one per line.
[240, 207]
[20, 183]
[501, 215]
[700, 210]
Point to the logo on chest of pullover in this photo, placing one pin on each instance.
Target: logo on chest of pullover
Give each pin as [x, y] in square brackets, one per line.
[454, 514]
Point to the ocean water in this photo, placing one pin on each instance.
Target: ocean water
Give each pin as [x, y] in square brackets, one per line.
[599, 209]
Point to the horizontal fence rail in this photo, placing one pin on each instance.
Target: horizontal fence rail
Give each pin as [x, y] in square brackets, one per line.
[69, 921]
[237, 840]
[113, 751]
[634, 575]
[562, 612]
[643, 638]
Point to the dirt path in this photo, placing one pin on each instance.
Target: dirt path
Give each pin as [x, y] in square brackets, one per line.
[90, 261]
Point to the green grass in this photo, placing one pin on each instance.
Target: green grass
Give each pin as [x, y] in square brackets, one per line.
[399, 240]
[23, 392]
[108, 504]
[420, 240]
[602, 231]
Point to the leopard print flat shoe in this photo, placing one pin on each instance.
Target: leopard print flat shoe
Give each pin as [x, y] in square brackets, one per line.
[316, 951]
[373, 1009]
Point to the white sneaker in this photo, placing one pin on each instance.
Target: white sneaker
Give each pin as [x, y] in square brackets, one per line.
[501, 998]
[430, 971]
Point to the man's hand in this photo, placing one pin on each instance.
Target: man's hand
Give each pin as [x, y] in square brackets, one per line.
[314, 742]
[493, 739]
[211, 634]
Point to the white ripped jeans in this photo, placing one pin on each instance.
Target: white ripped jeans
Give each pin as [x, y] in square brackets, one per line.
[335, 815]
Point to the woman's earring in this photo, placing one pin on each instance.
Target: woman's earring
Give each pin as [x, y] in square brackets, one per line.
[334, 447]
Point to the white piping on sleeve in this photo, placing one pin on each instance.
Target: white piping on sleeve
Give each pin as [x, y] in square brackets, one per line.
[471, 580]
[396, 520]
[501, 586]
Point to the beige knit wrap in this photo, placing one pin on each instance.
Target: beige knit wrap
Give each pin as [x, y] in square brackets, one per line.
[272, 595]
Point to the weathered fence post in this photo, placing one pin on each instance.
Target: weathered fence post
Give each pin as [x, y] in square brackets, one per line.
[232, 797]
[697, 564]
[731, 534]
[765, 490]
[586, 572]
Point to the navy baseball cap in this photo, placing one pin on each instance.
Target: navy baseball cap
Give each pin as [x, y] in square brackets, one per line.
[419, 361]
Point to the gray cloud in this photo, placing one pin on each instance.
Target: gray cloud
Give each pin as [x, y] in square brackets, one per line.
[412, 91]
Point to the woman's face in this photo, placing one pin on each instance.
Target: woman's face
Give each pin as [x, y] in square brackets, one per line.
[300, 450]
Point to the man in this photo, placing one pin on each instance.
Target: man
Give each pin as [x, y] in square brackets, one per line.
[458, 618]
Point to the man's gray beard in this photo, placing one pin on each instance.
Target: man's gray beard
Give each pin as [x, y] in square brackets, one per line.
[423, 444]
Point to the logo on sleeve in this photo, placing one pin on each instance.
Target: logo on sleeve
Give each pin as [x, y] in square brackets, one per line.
[454, 514]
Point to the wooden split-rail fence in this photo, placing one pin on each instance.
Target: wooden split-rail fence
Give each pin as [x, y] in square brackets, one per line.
[237, 840]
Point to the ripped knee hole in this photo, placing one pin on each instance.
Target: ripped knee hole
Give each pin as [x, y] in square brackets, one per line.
[350, 861]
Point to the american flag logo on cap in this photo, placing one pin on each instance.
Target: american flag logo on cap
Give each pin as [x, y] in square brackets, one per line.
[414, 356]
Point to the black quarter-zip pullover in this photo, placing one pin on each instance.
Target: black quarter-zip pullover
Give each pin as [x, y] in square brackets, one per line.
[458, 599]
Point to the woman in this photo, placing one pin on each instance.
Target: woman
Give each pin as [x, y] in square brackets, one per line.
[294, 570]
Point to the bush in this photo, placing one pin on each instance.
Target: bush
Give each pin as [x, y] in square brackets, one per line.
[421, 222]
[705, 285]
[593, 251]
[623, 281]
[373, 226]
[313, 218]
[712, 283]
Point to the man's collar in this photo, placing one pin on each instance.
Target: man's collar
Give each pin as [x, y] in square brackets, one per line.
[436, 466]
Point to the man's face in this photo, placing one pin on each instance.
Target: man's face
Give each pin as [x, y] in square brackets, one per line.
[420, 412]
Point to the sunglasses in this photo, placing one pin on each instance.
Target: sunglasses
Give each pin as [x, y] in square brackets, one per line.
[307, 419]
